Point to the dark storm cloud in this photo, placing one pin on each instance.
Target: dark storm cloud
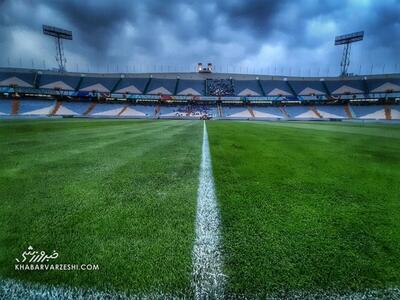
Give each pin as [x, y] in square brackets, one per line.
[182, 32]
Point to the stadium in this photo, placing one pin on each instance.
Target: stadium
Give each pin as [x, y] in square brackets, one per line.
[197, 184]
[199, 95]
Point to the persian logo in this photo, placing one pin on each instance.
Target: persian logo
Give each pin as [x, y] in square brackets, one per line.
[32, 256]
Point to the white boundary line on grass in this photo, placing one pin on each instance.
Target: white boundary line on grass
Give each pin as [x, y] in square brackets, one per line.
[207, 277]
[15, 290]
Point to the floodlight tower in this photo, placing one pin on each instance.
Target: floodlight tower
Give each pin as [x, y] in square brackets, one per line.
[347, 40]
[59, 35]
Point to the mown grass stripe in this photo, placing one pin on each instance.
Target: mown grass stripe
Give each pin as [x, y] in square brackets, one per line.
[208, 279]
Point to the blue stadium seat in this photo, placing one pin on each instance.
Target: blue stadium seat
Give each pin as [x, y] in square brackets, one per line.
[64, 82]
[343, 87]
[5, 107]
[191, 87]
[247, 88]
[308, 87]
[161, 86]
[276, 88]
[369, 111]
[35, 107]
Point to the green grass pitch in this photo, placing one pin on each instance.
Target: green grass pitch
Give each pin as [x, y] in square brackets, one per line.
[118, 194]
[308, 207]
[305, 207]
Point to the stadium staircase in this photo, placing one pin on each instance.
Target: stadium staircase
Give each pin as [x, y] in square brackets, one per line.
[15, 106]
[90, 108]
[56, 108]
[284, 112]
[219, 110]
[122, 110]
[250, 109]
[261, 87]
[347, 110]
[157, 111]
[188, 111]
[388, 112]
[315, 111]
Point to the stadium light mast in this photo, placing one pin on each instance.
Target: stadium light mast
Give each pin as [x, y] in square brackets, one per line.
[59, 35]
[347, 40]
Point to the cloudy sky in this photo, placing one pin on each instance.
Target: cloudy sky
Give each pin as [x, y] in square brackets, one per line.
[241, 35]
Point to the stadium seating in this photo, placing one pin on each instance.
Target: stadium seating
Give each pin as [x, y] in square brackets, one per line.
[268, 112]
[384, 85]
[159, 86]
[220, 87]
[21, 79]
[247, 88]
[332, 111]
[212, 111]
[173, 111]
[57, 81]
[131, 85]
[72, 108]
[98, 84]
[194, 95]
[300, 112]
[395, 112]
[103, 109]
[36, 107]
[139, 111]
[191, 87]
[198, 111]
[236, 112]
[276, 88]
[5, 107]
[376, 112]
[308, 87]
[344, 87]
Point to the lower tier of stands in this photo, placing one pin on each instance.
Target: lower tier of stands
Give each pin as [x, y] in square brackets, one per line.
[33, 107]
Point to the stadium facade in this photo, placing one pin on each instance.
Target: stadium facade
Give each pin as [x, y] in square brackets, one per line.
[27, 92]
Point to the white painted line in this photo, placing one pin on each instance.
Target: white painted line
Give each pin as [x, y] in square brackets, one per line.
[15, 290]
[208, 279]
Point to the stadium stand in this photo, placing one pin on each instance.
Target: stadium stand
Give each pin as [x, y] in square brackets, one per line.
[395, 112]
[307, 87]
[103, 109]
[98, 84]
[20, 79]
[161, 86]
[5, 107]
[389, 85]
[248, 88]
[36, 107]
[345, 87]
[220, 87]
[332, 111]
[139, 111]
[300, 112]
[191, 87]
[72, 108]
[56, 81]
[276, 88]
[376, 112]
[131, 85]
[236, 112]
[26, 92]
[268, 112]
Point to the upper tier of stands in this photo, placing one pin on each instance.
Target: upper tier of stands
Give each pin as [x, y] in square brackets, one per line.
[197, 84]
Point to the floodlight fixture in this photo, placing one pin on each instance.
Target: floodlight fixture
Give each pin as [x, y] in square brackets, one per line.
[347, 40]
[59, 34]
